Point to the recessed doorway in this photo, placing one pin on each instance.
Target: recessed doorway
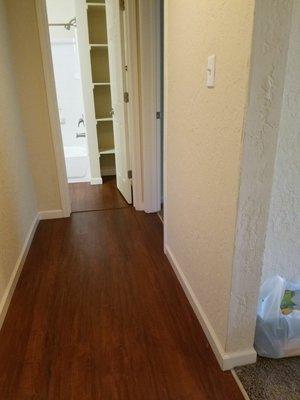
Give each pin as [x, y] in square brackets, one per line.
[88, 56]
[118, 57]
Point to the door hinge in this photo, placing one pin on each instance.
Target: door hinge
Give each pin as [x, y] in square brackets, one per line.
[122, 5]
[129, 174]
[158, 115]
[126, 97]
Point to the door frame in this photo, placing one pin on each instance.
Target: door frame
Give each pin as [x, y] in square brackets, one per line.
[144, 140]
[149, 76]
[133, 106]
[45, 44]
[115, 25]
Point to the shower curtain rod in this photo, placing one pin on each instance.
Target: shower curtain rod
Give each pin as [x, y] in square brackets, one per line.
[67, 25]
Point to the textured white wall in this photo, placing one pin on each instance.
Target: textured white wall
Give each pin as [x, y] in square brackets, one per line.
[282, 253]
[17, 196]
[269, 52]
[203, 143]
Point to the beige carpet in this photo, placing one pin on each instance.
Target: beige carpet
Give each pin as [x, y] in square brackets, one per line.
[270, 379]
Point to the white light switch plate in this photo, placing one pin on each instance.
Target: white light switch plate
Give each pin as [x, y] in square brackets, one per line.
[211, 66]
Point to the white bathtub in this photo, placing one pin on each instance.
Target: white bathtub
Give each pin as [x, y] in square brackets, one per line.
[77, 164]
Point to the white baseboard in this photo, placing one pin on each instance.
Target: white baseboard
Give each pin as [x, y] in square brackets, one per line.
[79, 180]
[4, 304]
[96, 181]
[227, 361]
[7, 296]
[51, 214]
[239, 358]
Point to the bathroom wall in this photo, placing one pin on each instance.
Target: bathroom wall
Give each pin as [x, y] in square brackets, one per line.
[61, 11]
[18, 208]
[68, 86]
[68, 90]
[282, 252]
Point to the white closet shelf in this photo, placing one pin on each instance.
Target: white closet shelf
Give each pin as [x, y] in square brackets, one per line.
[103, 45]
[90, 3]
[103, 119]
[107, 151]
[101, 83]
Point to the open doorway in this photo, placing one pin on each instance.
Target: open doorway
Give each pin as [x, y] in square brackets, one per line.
[112, 138]
[88, 55]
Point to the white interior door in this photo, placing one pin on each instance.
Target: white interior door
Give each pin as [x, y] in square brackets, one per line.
[117, 70]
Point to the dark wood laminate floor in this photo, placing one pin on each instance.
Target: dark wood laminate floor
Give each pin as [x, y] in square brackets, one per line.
[99, 314]
[87, 197]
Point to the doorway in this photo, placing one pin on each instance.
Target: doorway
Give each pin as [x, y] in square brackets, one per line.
[64, 50]
[88, 56]
[118, 135]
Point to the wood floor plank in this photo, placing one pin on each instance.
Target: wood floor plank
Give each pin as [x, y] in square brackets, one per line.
[87, 197]
[99, 314]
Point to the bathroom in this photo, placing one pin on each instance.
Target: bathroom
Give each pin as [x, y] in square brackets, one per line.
[62, 29]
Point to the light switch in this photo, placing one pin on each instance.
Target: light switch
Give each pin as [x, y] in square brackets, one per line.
[211, 66]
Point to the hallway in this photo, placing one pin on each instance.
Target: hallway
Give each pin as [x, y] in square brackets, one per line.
[103, 316]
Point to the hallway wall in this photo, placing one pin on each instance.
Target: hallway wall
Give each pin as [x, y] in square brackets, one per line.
[282, 252]
[30, 80]
[17, 195]
[262, 121]
[204, 130]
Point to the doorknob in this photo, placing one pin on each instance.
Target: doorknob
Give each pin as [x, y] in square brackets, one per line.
[112, 112]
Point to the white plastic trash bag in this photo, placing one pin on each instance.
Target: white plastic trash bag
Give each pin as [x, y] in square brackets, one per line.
[278, 319]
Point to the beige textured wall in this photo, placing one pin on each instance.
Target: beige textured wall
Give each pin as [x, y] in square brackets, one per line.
[282, 250]
[203, 143]
[17, 197]
[268, 66]
[23, 29]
